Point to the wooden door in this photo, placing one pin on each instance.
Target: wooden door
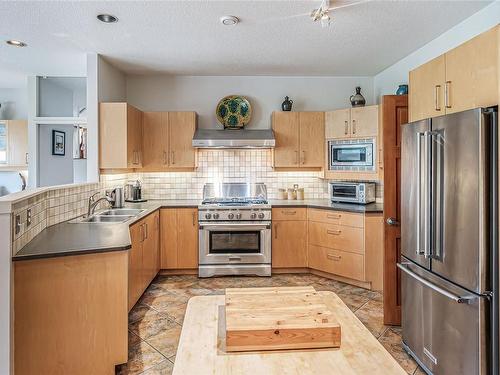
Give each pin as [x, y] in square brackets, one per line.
[168, 238]
[472, 73]
[289, 244]
[286, 133]
[337, 124]
[150, 249]
[17, 131]
[312, 139]
[134, 137]
[426, 90]
[155, 140]
[394, 116]
[187, 238]
[182, 126]
[135, 278]
[364, 121]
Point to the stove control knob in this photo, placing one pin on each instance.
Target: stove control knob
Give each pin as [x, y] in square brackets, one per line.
[216, 216]
[208, 215]
[230, 216]
[261, 215]
[238, 215]
[253, 216]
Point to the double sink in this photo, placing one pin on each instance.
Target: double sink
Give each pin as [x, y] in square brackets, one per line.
[115, 215]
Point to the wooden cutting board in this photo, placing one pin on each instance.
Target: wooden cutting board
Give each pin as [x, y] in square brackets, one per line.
[278, 318]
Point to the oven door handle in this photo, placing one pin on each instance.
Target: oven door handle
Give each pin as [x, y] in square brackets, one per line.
[236, 226]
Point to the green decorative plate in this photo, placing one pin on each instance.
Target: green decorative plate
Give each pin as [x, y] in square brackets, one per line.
[234, 112]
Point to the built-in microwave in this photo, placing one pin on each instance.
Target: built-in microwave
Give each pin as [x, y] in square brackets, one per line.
[351, 154]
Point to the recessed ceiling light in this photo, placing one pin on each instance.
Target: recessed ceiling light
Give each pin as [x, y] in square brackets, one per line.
[15, 43]
[229, 20]
[107, 18]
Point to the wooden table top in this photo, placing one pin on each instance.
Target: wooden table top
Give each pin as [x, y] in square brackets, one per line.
[201, 347]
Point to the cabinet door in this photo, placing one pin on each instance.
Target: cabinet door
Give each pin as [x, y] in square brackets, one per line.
[286, 132]
[312, 139]
[364, 121]
[150, 249]
[337, 123]
[135, 279]
[134, 137]
[18, 142]
[187, 238]
[472, 73]
[182, 126]
[155, 140]
[426, 90]
[289, 244]
[113, 134]
[168, 238]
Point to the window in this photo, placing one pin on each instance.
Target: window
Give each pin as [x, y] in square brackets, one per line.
[3, 143]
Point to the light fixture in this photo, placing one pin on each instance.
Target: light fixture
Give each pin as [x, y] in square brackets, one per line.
[15, 43]
[229, 20]
[107, 18]
[322, 14]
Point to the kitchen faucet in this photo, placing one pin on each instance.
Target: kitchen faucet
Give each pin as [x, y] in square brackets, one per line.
[93, 203]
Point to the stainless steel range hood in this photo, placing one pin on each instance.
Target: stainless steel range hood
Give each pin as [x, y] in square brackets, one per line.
[211, 138]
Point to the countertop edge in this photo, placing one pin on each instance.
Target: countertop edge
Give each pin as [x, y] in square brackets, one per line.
[17, 258]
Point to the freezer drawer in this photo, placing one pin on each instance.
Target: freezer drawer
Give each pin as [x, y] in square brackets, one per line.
[444, 326]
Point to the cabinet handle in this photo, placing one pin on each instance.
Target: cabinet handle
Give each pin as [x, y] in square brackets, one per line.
[353, 126]
[142, 232]
[26, 158]
[346, 127]
[275, 231]
[173, 157]
[334, 257]
[288, 212]
[145, 231]
[303, 157]
[334, 216]
[447, 87]
[193, 214]
[436, 97]
[297, 157]
[165, 161]
[334, 232]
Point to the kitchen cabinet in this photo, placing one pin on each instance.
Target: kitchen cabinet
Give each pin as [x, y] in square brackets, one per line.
[289, 237]
[17, 143]
[179, 238]
[120, 136]
[167, 141]
[463, 78]
[355, 122]
[299, 140]
[143, 256]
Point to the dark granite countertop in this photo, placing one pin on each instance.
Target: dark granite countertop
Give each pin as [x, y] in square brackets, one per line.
[86, 238]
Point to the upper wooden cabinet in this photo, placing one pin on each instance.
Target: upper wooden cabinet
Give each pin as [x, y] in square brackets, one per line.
[120, 136]
[167, 140]
[17, 143]
[299, 139]
[464, 78]
[356, 122]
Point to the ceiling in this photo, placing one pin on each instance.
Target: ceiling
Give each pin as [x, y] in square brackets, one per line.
[186, 37]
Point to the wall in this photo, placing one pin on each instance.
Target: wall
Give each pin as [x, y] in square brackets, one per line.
[387, 81]
[54, 100]
[111, 82]
[202, 93]
[54, 169]
[14, 104]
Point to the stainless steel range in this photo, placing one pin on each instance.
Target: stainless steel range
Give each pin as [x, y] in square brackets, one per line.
[234, 230]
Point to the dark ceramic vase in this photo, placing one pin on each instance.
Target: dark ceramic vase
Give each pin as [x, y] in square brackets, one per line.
[402, 90]
[357, 100]
[287, 104]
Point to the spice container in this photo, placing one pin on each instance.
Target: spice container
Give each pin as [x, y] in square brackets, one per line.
[292, 194]
[300, 194]
[282, 194]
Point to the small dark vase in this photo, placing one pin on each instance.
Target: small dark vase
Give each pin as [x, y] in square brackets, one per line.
[357, 100]
[287, 104]
[402, 90]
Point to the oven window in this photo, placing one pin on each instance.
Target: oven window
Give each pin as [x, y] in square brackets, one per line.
[231, 242]
[344, 191]
[349, 154]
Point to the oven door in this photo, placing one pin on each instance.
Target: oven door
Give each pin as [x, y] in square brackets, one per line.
[233, 243]
[351, 154]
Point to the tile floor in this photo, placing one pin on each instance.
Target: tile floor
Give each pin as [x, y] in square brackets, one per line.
[155, 322]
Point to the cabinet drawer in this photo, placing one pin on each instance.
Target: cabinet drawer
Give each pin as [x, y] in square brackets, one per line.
[337, 262]
[337, 237]
[289, 213]
[336, 217]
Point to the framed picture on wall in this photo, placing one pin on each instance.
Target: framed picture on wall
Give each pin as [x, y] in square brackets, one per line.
[58, 142]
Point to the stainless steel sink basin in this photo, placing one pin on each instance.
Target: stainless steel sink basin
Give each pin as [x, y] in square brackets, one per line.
[102, 219]
[120, 212]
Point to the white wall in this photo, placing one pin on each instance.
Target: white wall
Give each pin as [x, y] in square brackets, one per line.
[388, 80]
[54, 100]
[202, 93]
[14, 104]
[111, 82]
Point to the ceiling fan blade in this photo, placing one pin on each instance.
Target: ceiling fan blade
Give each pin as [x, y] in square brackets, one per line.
[349, 5]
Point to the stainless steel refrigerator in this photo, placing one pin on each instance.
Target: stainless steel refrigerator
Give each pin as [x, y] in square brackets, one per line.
[449, 244]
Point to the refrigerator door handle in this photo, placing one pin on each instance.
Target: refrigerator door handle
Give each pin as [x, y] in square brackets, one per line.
[427, 194]
[419, 193]
[458, 299]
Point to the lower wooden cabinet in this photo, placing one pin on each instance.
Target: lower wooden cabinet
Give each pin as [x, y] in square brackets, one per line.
[144, 261]
[289, 244]
[179, 238]
[338, 262]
